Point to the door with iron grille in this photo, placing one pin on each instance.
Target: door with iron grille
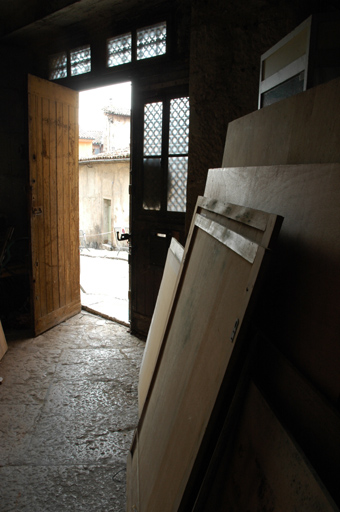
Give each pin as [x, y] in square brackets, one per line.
[160, 136]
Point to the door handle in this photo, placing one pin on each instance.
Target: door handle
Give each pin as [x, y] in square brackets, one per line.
[123, 236]
[37, 210]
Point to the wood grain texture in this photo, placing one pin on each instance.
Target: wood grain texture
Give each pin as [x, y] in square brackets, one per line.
[159, 319]
[301, 310]
[207, 321]
[53, 156]
[299, 130]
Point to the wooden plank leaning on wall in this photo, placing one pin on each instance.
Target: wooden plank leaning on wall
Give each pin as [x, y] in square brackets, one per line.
[200, 353]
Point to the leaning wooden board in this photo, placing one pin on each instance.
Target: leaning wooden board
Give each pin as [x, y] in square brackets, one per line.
[304, 128]
[199, 353]
[159, 318]
[264, 468]
[302, 313]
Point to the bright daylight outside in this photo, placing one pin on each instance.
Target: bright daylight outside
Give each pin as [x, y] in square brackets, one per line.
[104, 167]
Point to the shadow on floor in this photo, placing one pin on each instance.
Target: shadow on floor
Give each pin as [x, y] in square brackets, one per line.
[68, 409]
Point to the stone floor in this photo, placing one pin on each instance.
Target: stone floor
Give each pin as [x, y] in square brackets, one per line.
[68, 409]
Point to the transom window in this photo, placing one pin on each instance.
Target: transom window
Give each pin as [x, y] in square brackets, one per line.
[58, 66]
[80, 60]
[119, 50]
[144, 43]
[151, 41]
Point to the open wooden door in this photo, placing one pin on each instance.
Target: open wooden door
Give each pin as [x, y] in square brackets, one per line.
[54, 205]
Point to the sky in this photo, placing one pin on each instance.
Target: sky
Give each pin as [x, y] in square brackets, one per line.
[91, 103]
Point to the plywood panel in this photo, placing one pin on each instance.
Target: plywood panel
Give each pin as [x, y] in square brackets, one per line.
[198, 357]
[159, 319]
[301, 312]
[308, 415]
[299, 130]
[266, 469]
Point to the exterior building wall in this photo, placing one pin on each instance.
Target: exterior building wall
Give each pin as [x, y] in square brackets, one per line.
[117, 133]
[103, 182]
[85, 148]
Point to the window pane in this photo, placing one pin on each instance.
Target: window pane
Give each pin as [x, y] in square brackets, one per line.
[119, 50]
[152, 192]
[179, 126]
[151, 41]
[153, 117]
[58, 66]
[177, 183]
[80, 61]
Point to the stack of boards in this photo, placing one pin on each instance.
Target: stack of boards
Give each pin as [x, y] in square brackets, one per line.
[207, 437]
[200, 345]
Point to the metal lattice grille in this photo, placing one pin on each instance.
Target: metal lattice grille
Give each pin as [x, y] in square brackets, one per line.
[177, 183]
[153, 117]
[179, 126]
[80, 61]
[119, 50]
[151, 41]
[58, 66]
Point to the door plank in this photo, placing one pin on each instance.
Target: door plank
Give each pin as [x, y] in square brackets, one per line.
[74, 204]
[53, 136]
[53, 206]
[60, 203]
[46, 215]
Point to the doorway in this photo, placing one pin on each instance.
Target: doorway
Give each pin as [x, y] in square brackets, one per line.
[104, 204]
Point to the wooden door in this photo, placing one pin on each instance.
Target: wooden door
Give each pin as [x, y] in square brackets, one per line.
[54, 205]
[158, 199]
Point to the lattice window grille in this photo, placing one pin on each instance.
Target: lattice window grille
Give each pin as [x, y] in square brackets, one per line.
[80, 61]
[179, 126]
[151, 41]
[119, 50]
[153, 118]
[177, 183]
[58, 66]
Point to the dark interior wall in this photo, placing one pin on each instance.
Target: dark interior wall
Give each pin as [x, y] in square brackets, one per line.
[13, 140]
[14, 287]
[227, 40]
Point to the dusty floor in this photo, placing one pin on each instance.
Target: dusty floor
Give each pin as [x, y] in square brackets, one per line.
[68, 409]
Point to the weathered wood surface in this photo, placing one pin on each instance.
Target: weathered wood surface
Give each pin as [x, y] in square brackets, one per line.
[301, 310]
[299, 130]
[54, 177]
[198, 356]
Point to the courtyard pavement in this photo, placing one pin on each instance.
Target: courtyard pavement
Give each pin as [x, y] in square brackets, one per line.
[104, 280]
